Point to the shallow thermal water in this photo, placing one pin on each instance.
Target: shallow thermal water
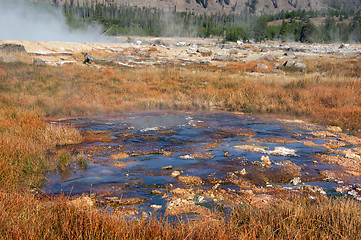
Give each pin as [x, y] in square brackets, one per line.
[207, 145]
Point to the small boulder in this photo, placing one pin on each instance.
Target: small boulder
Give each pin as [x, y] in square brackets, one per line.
[261, 67]
[39, 62]
[300, 65]
[11, 48]
[266, 160]
[175, 174]
[167, 167]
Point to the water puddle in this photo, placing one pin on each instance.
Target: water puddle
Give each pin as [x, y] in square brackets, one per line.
[159, 161]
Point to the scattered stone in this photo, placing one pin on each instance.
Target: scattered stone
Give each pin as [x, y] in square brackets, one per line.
[289, 54]
[266, 160]
[123, 58]
[87, 58]
[222, 58]
[186, 157]
[119, 155]
[190, 180]
[175, 174]
[125, 201]
[204, 50]
[278, 151]
[226, 46]
[167, 167]
[300, 65]
[242, 172]
[289, 169]
[233, 51]
[352, 156]
[159, 43]
[156, 192]
[282, 151]
[119, 165]
[226, 154]
[334, 129]
[11, 48]
[323, 134]
[156, 206]
[39, 62]
[261, 67]
[179, 206]
[349, 139]
[296, 181]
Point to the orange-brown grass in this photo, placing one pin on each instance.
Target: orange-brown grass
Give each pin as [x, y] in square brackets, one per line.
[24, 141]
[29, 94]
[25, 216]
[330, 97]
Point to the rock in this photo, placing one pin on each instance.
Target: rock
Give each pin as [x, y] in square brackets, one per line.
[167, 167]
[226, 46]
[323, 134]
[39, 62]
[175, 174]
[353, 156]
[282, 151]
[87, 58]
[233, 51]
[7, 59]
[156, 206]
[266, 160]
[178, 206]
[156, 192]
[289, 63]
[159, 43]
[121, 57]
[119, 155]
[296, 181]
[242, 172]
[125, 201]
[226, 154]
[334, 129]
[190, 180]
[10, 48]
[204, 50]
[299, 65]
[289, 54]
[261, 67]
[182, 44]
[222, 58]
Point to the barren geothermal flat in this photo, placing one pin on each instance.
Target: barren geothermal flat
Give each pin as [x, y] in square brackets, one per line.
[181, 126]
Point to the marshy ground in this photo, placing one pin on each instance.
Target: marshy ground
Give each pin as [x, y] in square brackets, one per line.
[247, 139]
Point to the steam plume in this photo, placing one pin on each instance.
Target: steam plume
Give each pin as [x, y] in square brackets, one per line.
[25, 20]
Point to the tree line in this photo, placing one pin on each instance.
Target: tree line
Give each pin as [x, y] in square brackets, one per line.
[341, 25]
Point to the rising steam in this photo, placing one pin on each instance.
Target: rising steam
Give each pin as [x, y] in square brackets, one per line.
[25, 20]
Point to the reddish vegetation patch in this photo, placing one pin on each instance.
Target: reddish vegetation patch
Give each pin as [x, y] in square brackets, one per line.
[2, 72]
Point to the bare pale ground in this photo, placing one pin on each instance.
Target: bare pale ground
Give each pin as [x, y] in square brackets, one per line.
[182, 50]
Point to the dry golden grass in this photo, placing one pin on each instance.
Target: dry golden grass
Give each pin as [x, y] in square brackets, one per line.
[328, 92]
[330, 97]
[25, 216]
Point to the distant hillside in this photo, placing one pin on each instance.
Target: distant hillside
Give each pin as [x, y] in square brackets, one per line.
[257, 7]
